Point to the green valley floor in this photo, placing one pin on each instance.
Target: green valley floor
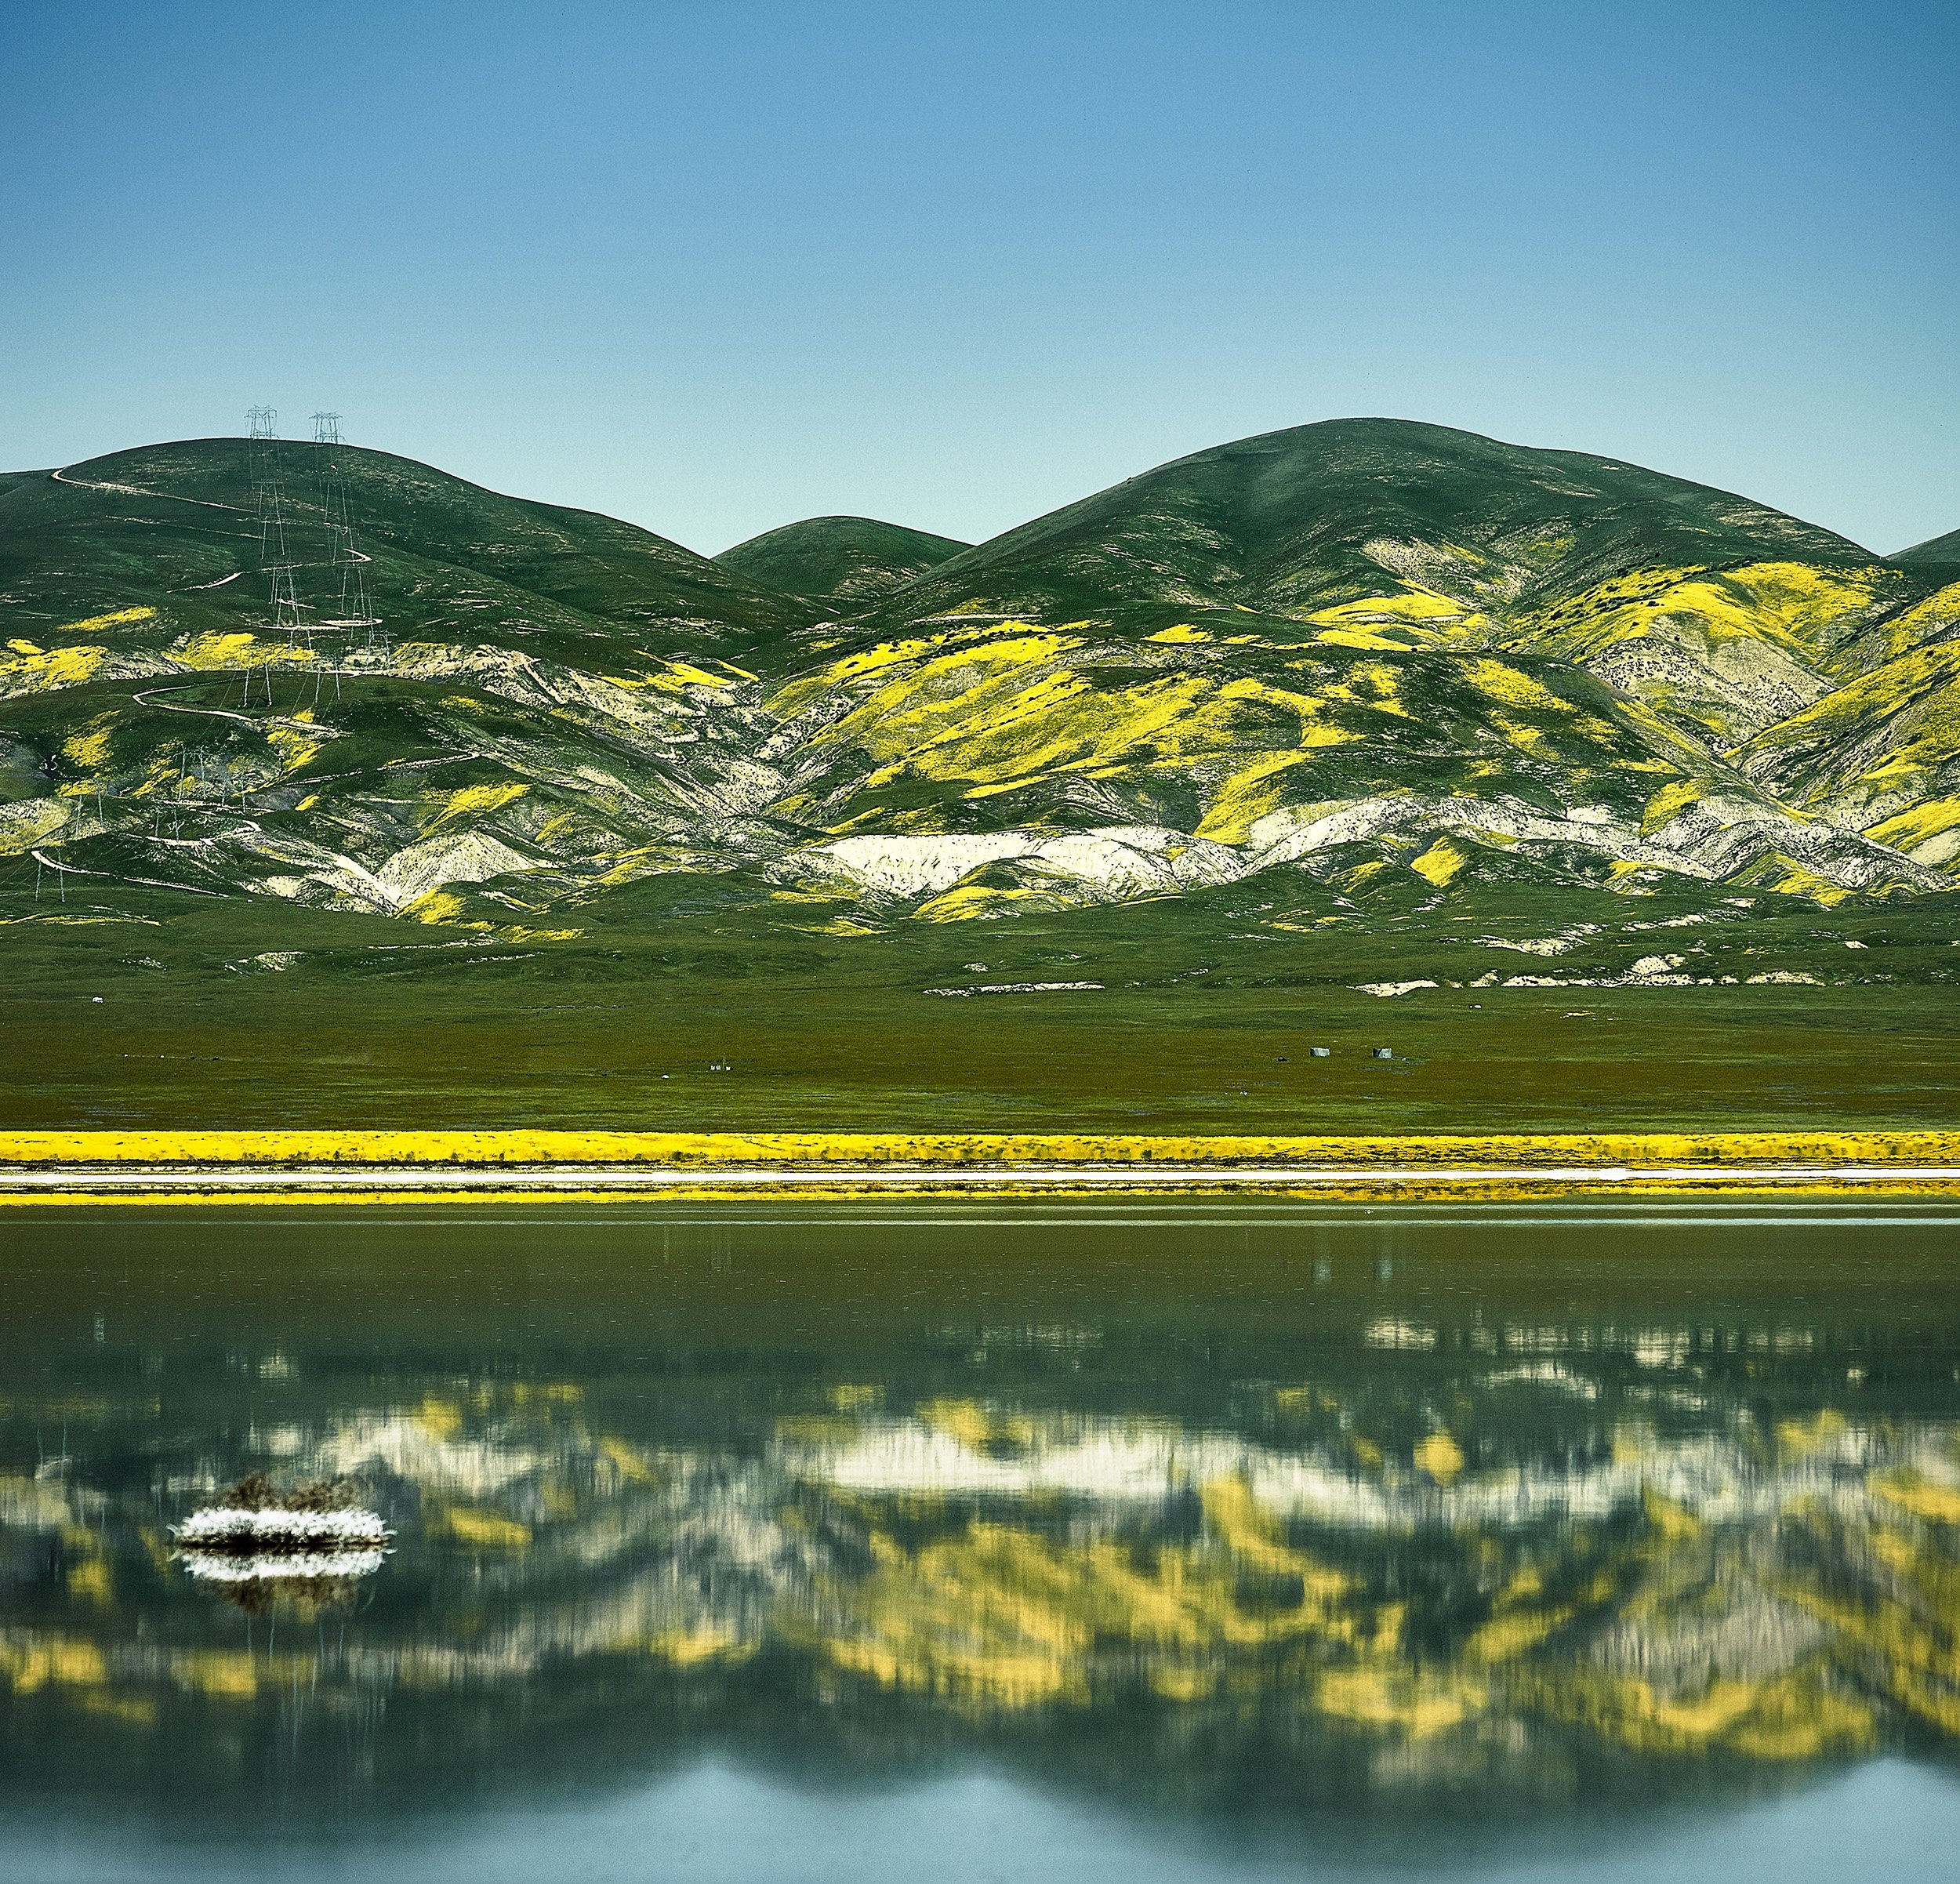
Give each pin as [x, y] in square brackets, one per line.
[143, 1014]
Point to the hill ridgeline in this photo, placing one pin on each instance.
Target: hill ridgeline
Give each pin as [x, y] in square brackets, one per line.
[1327, 676]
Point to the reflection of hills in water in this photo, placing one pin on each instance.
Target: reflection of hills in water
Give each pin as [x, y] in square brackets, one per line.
[1506, 1551]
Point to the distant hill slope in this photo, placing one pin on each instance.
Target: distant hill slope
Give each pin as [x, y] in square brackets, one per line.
[1375, 666]
[854, 562]
[1722, 615]
[173, 526]
[1934, 550]
[1321, 514]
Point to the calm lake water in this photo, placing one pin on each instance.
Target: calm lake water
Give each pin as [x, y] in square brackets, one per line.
[1136, 1542]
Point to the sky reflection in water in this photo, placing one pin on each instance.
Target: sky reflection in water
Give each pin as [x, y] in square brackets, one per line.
[1196, 1543]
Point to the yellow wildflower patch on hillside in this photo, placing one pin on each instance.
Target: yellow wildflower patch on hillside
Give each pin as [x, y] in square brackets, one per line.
[1796, 607]
[436, 906]
[1669, 801]
[1913, 626]
[1415, 617]
[1441, 862]
[791, 700]
[89, 746]
[46, 672]
[1499, 681]
[239, 648]
[1254, 791]
[471, 801]
[1791, 879]
[1919, 695]
[560, 824]
[1910, 830]
[675, 677]
[117, 617]
[1801, 600]
[1000, 715]
[964, 902]
[1367, 639]
[28, 821]
[294, 748]
[1414, 603]
[1373, 683]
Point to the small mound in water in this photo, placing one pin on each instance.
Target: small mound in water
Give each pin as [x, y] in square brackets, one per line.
[313, 1543]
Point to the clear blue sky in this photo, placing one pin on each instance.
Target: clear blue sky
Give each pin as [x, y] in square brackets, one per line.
[713, 267]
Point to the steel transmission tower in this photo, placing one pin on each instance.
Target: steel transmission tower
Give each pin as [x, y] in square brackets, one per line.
[350, 566]
[268, 500]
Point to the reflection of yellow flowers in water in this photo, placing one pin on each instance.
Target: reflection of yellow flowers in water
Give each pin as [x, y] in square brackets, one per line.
[1802, 1715]
[965, 1421]
[89, 1582]
[1441, 1457]
[1672, 1638]
[84, 1669]
[686, 1648]
[477, 1527]
[1900, 1626]
[440, 1419]
[52, 1661]
[998, 1616]
[1919, 1495]
[1795, 1438]
[1402, 1700]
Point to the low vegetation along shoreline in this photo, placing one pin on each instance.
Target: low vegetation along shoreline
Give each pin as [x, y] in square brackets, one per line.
[367, 1166]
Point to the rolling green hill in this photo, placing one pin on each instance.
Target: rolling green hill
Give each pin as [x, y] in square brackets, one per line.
[1723, 614]
[1364, 704]
[849, 562]
[1934, 550]
[1382, 647]
[1299, 521]
[172, 528]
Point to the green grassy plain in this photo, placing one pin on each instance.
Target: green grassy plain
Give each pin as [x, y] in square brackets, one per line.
[715, 1018]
